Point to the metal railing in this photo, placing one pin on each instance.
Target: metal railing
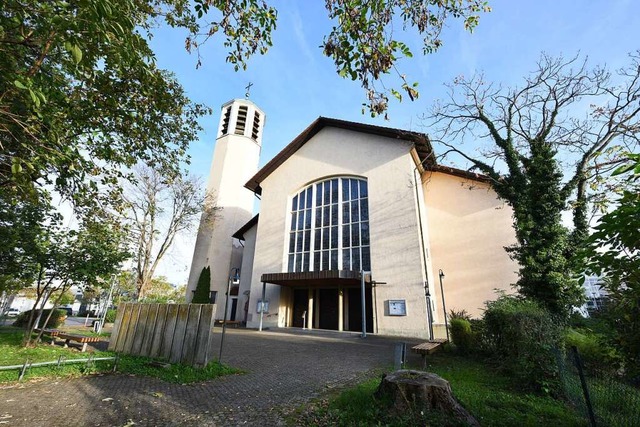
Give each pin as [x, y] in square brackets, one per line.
[61, 361]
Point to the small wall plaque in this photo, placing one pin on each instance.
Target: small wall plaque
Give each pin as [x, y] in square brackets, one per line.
[262, 307]
[397, 307]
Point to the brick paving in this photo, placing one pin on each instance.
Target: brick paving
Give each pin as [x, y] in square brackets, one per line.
[284, 368]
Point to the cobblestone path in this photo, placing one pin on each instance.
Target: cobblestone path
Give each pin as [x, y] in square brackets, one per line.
[284, 368]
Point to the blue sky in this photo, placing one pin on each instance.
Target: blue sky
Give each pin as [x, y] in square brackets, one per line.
[294, 84]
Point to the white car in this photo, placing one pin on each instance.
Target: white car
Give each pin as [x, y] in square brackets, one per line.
[12, 312]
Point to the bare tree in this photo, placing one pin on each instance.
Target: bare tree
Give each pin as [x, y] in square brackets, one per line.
[547, 146]
[159, 208]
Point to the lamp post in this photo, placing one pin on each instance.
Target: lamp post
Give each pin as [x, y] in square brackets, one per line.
[234, 277]
[444, 307]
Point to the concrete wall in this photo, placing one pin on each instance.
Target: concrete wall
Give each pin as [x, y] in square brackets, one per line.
[235, 161]
[468, 230]
[246, 271]
[395, 251]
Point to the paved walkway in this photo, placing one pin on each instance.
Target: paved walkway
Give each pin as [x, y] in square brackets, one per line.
[285, 368]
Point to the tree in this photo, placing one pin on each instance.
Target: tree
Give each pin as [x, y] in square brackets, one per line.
[613, 252]
[82, 98]
[161, 291]
[203, 287]
[362, 44]
[543, 152]
[66, 257]
[160, 206]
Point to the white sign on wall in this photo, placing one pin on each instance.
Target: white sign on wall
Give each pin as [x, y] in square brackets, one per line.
[397, 307]
[262, 307]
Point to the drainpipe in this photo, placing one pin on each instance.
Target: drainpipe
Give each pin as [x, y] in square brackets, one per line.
[424, 257]
[364, 311]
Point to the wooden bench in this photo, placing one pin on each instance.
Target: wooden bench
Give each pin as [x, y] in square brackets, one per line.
[84, 340]
[234, 323]
[426, 348]
[51, 333]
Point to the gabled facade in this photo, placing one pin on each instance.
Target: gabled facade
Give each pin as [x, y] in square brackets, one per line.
[344, 199]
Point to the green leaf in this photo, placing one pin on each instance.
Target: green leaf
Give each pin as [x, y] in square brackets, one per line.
[622, 169]
[77, 53]
[34, 97]
[19, 84]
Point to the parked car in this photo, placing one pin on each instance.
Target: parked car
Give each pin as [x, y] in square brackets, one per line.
[12, 312]
[68, 310]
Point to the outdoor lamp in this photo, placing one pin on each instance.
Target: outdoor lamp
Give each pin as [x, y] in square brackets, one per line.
[235, 278]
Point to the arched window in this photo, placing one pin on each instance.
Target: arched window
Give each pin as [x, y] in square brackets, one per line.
[330, 227]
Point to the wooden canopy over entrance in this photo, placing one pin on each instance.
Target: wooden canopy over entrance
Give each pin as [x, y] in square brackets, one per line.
[330, 299]
[327, 278]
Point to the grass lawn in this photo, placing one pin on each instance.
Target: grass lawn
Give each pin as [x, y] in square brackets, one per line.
[495, 400]
[490, 397]
[12, 353]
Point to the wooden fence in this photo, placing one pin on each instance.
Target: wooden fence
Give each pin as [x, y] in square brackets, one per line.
[179, 333]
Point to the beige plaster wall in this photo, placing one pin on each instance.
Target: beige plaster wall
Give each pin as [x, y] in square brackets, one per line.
[395, 251]
[468, 229]
[246, 270]
[235, 160]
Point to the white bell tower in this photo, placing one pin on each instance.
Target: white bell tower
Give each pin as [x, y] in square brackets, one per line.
[235, 161]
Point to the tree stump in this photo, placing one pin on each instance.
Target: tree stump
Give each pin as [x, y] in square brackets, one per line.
[421, 391]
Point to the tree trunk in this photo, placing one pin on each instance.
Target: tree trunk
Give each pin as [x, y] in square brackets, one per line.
[421, 391]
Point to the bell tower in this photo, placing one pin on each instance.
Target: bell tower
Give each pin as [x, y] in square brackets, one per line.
[235, 161]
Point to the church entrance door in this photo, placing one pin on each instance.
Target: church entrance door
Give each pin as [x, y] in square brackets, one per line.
[328, 314]
[354, 309]
[300, 306]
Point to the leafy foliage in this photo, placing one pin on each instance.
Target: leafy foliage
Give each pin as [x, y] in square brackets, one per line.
[83, 99]
[462, 335]
[201, 294]
[57, 318]
[614, 253]
[161, 291]
[110, 316]
[522, 335]
[594, 350]
[533, 134]
[362, 44]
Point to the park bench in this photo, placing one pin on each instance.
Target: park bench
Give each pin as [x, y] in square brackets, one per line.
[51, 333]
[54, 333]
[82, 339]
[426, 348]
[234, 323]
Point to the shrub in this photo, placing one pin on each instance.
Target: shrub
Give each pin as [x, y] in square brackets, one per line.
[110, 317]
[523, 337]
[462, 335]
[459, 314]
[594, 351]
[203, 287]
[57, 318]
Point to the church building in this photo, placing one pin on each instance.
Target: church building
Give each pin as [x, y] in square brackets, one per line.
[354, 219]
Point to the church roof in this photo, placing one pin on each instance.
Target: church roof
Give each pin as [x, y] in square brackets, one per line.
[421, 142]
[240, 233]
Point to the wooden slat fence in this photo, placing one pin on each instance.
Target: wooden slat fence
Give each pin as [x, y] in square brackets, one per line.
[179, 333]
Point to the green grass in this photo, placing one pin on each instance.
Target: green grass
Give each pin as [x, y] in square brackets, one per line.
[494, 399]
[614, 403]
[490, 397]
[175, 373]
[12, 353]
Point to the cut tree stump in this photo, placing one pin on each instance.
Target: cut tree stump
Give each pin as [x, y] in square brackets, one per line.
[421, 391]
